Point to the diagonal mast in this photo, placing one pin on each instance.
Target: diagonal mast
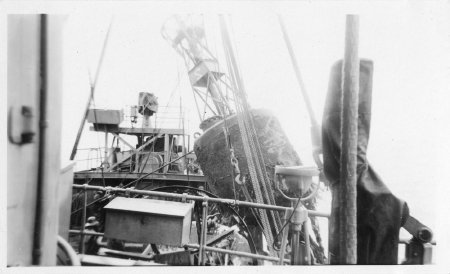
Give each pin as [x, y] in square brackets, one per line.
[93, 84]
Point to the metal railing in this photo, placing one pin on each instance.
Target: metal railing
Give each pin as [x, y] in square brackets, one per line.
[202, 247]
[166, 117]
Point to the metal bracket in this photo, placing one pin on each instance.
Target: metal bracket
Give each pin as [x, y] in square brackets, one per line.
[108, 190]
[20, 125]
[127, 192]
[417, 252]
[300, 215]
[184, 198]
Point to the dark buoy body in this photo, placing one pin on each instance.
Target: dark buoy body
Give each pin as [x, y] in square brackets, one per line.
[213, 154]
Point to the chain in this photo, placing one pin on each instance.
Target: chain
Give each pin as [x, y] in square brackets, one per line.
[265, 179]
[253, 174]
[259, 178]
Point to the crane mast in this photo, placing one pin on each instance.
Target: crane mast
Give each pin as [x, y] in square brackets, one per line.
[188, 39]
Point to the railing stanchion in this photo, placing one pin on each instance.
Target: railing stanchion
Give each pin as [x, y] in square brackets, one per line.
[307, 255]
[201, 259]
[83, 221]
[284, 236]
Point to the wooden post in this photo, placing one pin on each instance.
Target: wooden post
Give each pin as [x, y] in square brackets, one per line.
[349, 141]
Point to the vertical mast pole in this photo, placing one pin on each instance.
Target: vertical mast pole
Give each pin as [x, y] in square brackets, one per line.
[349, 133]
[105, 160]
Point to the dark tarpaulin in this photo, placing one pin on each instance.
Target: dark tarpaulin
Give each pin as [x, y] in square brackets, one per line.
[380, 214]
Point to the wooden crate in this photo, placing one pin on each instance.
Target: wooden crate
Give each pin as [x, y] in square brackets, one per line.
[148, 221]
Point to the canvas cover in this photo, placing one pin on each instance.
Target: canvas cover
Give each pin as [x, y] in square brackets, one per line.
[380, 214]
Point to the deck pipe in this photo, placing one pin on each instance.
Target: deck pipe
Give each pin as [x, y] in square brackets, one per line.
[196, 198]
[86, 232]
[43, 123]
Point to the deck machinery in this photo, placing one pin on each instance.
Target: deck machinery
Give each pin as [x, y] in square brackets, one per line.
[159, 153]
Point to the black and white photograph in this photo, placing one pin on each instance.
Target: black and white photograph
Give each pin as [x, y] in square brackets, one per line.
[188, 135]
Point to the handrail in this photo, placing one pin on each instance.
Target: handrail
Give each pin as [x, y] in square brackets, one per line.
[238, 253]
[203, 244]
[196, 198]
[205, 247]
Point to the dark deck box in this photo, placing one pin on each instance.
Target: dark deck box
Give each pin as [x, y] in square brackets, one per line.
[148, 221]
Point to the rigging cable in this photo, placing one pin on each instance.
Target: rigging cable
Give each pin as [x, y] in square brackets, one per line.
[260, 157]
[244, 120]
[315, 129]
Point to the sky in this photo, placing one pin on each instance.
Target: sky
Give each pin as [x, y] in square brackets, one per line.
[407, 40]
